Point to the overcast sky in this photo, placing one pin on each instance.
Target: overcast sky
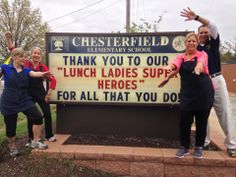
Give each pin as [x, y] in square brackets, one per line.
[110, 15]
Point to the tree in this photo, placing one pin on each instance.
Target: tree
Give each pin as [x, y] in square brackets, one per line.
[228, 50]
[25, 24]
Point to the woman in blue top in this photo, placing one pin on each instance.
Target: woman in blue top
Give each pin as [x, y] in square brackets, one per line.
[15, 99]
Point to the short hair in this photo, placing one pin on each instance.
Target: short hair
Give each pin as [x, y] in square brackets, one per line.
[17, 52]
[201, 26]
[191, 34]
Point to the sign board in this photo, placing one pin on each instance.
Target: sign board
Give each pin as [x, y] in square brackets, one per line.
[113, 68]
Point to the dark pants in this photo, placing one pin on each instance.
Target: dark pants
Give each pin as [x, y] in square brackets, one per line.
[186, 120]
[32, 114]
[45, 107]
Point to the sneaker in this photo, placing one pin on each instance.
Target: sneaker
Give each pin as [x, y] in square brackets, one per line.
[182, 152]
[14, 152]
[38, 145]
[27, 144]
[52, 139]
[206, 147]
[231, 152]
[198, 153]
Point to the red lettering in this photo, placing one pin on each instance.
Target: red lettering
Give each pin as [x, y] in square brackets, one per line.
[120, 72]
[79, 72]
[160, 72]
[114, 84]
[155, 72]
[117, 84]
[65, 73]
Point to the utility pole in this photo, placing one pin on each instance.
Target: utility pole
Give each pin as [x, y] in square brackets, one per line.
[128, 16]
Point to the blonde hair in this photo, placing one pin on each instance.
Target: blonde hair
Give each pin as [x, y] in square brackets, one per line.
[36, 48]
[190, 35]
[17, 52]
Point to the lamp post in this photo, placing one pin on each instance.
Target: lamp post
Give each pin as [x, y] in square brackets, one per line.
[128, 16]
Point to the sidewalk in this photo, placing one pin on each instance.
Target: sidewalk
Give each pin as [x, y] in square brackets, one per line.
[217, 134]
[233, 104]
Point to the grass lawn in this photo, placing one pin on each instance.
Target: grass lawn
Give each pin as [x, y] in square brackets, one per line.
[21, 124]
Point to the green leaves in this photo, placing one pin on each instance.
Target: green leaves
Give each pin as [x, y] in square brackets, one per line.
[25, 24]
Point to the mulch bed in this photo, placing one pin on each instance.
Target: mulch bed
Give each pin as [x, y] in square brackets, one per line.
[28, 165]
[131, 141]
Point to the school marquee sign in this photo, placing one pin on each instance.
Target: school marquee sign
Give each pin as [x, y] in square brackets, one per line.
[113, 68]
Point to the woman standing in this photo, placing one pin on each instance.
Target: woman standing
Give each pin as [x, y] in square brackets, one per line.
[15, 99]
[39, 94]
[37, 90]
[196, 94]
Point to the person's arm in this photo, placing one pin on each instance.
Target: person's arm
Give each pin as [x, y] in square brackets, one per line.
[202, 63]
[166, 80]
[48, 96]
[173, 71]
[199, 68]
[191, 15]
[8, 37]
[50, 78]
[52, 82]
[173, 67]
[213, 30]
[52, 87]
[39, 74]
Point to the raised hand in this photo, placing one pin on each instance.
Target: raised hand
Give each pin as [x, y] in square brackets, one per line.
[8, 35]
[188, 14]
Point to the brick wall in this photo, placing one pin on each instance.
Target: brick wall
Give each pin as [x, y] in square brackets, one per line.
[229, 73]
